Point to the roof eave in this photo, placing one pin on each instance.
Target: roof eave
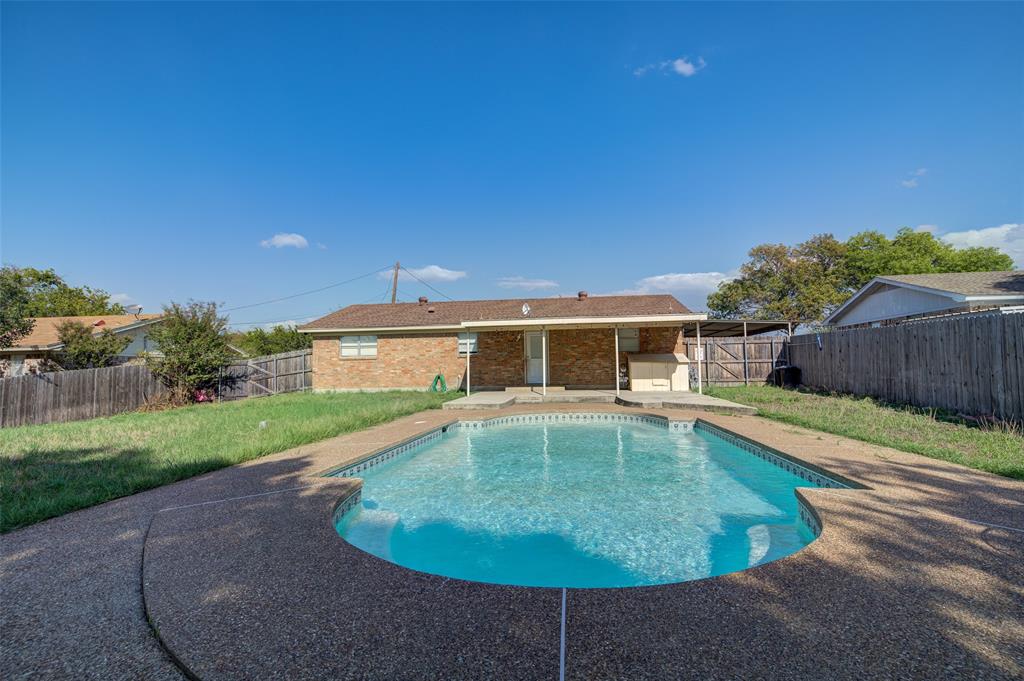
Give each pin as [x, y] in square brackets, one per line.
[665, 319]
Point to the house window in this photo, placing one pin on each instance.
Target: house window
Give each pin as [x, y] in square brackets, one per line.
[358, 346]
[629, 340]
[467, 343]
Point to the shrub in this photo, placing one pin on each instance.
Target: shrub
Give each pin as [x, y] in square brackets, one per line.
[83, 350]
[193, 350]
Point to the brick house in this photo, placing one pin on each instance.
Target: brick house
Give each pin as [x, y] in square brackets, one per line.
[584, 342]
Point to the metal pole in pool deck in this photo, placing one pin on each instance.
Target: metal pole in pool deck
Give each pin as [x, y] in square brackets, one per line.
[616, 332]
[543, 362]
[700, 358]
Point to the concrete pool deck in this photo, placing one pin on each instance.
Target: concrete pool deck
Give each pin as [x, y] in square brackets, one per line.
[241, 573]
[687, 400]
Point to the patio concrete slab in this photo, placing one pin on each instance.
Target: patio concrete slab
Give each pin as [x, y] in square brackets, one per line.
[917, 577]
[643, 399]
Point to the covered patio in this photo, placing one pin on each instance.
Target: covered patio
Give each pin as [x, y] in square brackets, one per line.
[579, 360]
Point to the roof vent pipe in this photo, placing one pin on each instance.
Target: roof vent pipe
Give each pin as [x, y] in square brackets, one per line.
[430, 309]
[423, 300]
[582, 295]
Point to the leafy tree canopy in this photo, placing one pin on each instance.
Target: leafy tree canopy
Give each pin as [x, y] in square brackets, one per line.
[258, 342]
[50, 296]
[83, 350]
[15, 319]
[193, 349]
[807, 281]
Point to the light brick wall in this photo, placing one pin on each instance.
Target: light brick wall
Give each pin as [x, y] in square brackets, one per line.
[577, 358]
[404, 361]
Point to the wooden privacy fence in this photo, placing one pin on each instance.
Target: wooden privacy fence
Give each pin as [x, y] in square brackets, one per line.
[736, 360]
[75, 395]
[281, 373]
[970, 364]
[90, 393]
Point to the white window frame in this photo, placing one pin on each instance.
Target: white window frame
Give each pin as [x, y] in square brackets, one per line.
[630, 342]
[357, 347]
[470, 340]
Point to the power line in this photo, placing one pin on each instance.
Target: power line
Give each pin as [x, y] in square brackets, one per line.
[306, 293]
[427, 285]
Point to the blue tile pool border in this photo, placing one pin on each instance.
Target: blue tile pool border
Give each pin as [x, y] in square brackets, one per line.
[815, 477]
[389, 453]
[811, 475]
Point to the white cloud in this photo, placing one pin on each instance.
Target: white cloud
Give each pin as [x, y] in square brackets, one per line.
[526, 284]
[681, 67]
[122, 299]
[1008, 238]
[428, 273]
[684, 67]
[690, 287]
[913, 179]
[285, 240]
[931, 229]
[321, 246]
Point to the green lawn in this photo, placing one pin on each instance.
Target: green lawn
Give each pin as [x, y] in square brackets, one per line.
[49, 470]
[997, 449]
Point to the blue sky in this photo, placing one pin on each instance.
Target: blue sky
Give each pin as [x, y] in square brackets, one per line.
[243, 152]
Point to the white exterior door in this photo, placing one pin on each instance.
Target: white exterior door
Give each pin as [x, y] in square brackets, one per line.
[534, 357]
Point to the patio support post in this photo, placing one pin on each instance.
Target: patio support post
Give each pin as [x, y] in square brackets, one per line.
[746, 368]
[700, 356]
[467, 368]
[615, 331]
[543, 362]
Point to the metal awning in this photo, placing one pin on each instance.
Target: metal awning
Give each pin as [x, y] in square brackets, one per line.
[723, 328]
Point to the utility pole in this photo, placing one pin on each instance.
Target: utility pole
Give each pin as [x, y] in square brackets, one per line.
[394, 283]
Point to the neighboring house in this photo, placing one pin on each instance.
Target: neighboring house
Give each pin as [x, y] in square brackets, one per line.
[559, 342]
[43, 343]
[889, 300]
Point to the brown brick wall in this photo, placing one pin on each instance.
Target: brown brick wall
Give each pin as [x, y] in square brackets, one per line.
[500, 362]
[403, 361]
[582, 357]
[577, 357]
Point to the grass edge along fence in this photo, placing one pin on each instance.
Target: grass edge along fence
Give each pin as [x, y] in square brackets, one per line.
[970, 364]
[63, 396]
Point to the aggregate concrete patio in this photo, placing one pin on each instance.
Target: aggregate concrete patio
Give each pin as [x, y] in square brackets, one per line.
[688, 400]
[243, 576]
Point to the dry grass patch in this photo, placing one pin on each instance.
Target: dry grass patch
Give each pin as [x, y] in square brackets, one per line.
[49, 470]
[997, 448]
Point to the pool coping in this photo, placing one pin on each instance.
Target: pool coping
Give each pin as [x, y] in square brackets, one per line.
[828, 507]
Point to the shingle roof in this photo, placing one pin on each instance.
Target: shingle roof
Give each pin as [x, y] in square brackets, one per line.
[968, 283]
[44, 331]
[455, 312]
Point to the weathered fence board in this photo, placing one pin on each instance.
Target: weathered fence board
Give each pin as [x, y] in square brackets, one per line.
[90, 393]
[737, 361]
[281, 373]
[75, 395]
[971, 364]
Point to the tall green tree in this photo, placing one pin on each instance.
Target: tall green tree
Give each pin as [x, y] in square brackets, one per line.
[193, 349]
[258, 342]
[85, 350]
[50, 296]
[807, 281]
[15, 320]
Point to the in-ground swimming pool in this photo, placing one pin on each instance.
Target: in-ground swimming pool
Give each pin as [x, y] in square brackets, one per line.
[591, 504]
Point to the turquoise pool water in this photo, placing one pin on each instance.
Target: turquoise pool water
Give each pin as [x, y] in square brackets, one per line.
[570, 505]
